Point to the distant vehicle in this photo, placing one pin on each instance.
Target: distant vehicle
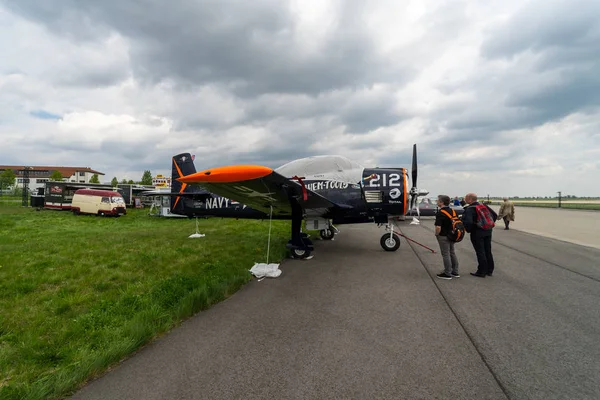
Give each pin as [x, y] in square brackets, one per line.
[428, 207]
[59, 195]
[98, 202]
[161, 181]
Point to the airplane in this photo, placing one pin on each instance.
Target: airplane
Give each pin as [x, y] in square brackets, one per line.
[323, 191]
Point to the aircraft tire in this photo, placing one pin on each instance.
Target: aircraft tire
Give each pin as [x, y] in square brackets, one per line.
[300, 254]
[390, 244]
[327, 234]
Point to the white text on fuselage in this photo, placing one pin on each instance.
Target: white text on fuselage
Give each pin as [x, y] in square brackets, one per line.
[222, 202]
[326, 185]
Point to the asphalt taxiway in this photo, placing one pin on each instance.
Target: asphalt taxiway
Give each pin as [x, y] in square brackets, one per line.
[356, 322]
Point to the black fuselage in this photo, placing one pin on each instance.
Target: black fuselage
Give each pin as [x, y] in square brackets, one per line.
[381, 193]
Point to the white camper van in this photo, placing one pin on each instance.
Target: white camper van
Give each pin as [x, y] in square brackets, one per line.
[99, 202]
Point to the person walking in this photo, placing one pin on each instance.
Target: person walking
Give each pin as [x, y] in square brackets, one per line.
[478, 220]
[506, 212]
[443, 226]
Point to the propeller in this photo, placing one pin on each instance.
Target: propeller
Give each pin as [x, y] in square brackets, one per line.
[414, 191]
[414, 166]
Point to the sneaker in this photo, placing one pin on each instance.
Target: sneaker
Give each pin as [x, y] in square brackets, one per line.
[443, 276]
[455, 275]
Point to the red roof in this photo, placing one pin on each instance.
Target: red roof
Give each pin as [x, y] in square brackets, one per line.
[66, 172]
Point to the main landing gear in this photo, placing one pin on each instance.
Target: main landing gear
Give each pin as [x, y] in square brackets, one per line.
[300, 245]
[302, 251]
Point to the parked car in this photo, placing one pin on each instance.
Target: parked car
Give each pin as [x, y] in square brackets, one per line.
[98, 202]
[428, 207]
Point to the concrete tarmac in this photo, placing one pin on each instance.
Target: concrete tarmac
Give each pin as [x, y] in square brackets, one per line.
[356, 322]
[574, 226]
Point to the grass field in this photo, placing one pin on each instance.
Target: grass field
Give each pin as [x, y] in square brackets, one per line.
[571, 205]
[79, 293]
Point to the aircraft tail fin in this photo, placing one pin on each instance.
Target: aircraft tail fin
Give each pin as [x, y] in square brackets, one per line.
[182, 165]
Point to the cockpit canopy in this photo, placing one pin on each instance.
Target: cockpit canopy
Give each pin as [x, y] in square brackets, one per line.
[332, 167]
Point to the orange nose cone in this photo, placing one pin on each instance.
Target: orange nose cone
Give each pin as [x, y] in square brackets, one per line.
[235, 173]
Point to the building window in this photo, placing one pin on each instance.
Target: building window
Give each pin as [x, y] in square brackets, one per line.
[82, 181]
[19, 180]
[82, 174]
[41, 180]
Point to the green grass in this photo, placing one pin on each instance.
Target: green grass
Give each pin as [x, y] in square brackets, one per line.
[10, 201]
[79, 293]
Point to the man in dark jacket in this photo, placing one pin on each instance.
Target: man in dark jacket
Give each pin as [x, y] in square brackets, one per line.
[480, 238]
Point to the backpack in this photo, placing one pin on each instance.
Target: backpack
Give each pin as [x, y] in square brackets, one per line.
[458, 229]
[485, 219]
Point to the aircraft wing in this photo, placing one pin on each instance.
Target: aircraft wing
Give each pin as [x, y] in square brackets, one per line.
[151, 193]
[260, 188]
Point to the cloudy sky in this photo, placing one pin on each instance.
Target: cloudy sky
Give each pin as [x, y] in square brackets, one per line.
[502, 97]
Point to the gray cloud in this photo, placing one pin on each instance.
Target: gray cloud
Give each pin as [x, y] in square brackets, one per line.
[575, 89]
[246, 82]
[91, 78]
[252, 45]
[550, 54]
[542, 25]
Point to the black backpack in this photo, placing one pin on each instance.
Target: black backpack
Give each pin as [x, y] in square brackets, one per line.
[458, 229]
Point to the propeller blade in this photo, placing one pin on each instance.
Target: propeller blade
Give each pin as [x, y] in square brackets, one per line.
[414, 166]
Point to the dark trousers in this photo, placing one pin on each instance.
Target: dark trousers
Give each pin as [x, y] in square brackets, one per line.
[482, 243]
[506, 222]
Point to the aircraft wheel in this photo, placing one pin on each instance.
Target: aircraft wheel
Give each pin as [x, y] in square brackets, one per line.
[300, 254]
[327, 234]
[390, 243]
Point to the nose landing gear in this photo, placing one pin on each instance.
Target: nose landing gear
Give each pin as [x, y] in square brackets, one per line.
[390, 241]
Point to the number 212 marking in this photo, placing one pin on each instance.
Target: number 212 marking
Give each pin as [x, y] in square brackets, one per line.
[394, 180]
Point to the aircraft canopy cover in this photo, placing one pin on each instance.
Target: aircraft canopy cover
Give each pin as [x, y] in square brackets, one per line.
[337, 168]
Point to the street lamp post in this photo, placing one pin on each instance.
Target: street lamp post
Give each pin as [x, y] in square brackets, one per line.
[559, 199]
